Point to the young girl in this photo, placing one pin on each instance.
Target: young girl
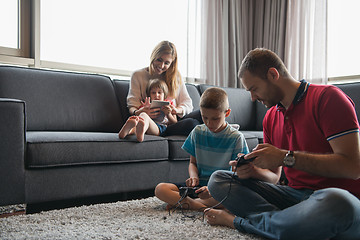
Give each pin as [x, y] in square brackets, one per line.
[140, 124]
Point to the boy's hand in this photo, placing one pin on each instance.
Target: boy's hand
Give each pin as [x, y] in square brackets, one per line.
[203, 193]
[192, 181]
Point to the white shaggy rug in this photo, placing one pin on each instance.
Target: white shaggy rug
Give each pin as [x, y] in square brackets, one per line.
[136, 219]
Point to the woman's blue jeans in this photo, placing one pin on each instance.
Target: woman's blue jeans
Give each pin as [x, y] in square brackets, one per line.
[281, 212]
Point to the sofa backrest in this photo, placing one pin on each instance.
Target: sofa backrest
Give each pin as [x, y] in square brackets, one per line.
[353, 91]
[62, 101]
[194, 95]
[260, 114]
[122, 90]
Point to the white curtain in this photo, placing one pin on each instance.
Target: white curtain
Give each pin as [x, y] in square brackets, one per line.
[306, 38]
[215, 45]
[223, 45]
[231, 28]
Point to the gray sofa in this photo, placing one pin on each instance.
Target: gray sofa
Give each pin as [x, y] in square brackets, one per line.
[59, 137]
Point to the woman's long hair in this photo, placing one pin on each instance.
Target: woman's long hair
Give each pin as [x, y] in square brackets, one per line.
[172, 74]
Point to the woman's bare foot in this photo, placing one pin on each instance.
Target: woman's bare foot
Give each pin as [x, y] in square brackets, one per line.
[219, 217]
[128, 126]
[140, 129]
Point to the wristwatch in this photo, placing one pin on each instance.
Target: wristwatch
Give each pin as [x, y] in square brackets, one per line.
[289, 159]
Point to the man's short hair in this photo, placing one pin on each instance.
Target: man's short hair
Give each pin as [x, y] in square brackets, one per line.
[258, 62]
[214, 98]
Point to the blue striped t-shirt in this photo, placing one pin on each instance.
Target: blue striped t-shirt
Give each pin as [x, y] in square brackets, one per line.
[213, 151]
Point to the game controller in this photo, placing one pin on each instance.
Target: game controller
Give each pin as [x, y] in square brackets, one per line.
[241, 160]
[188, 191]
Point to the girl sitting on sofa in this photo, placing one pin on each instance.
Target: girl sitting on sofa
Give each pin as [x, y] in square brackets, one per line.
[139, 125]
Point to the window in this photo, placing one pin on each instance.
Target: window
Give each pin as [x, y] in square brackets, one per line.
[343, 39]
[112, 37]
[15, 28]
[116, 34]
[9, 24]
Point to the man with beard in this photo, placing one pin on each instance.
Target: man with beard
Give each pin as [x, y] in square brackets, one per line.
[311, 131]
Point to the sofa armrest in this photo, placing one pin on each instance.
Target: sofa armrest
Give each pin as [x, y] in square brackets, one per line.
[12, 151]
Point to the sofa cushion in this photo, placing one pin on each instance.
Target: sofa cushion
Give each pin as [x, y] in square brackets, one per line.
[62, 101]
[55, 149]
[176, 153]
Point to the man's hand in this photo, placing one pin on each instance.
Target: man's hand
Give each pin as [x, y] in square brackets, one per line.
[243, 171]
[267, 156]
[203, 193]
[252, 170]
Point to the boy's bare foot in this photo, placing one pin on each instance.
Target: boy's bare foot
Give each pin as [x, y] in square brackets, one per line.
[128, 126]
[219, 217]
[188, 204]
[140, 129]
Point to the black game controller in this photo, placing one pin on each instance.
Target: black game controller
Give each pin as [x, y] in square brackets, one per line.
[241, 160]
[188, 191]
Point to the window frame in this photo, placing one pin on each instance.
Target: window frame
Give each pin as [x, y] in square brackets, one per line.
[344, 79]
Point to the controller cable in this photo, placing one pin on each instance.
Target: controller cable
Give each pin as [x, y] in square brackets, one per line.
[183, 195]
[240, 161]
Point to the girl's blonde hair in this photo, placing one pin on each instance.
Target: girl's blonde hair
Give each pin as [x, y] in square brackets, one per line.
[157, 83]
[172, 73]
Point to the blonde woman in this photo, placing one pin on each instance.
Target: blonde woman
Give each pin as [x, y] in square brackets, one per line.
[163, 66]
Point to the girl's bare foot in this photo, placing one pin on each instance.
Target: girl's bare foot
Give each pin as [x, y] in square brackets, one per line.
[140, 129]
[219, 217]
[128, 126]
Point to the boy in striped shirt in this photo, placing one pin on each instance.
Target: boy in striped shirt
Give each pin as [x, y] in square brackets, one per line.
[211, 146]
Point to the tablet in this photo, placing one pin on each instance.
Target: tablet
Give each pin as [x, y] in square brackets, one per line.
[158, 103]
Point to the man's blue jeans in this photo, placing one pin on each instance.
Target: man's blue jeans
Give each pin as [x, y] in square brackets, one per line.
[281, 212]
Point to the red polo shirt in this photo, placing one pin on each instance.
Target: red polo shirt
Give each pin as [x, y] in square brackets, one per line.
[318, 114]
